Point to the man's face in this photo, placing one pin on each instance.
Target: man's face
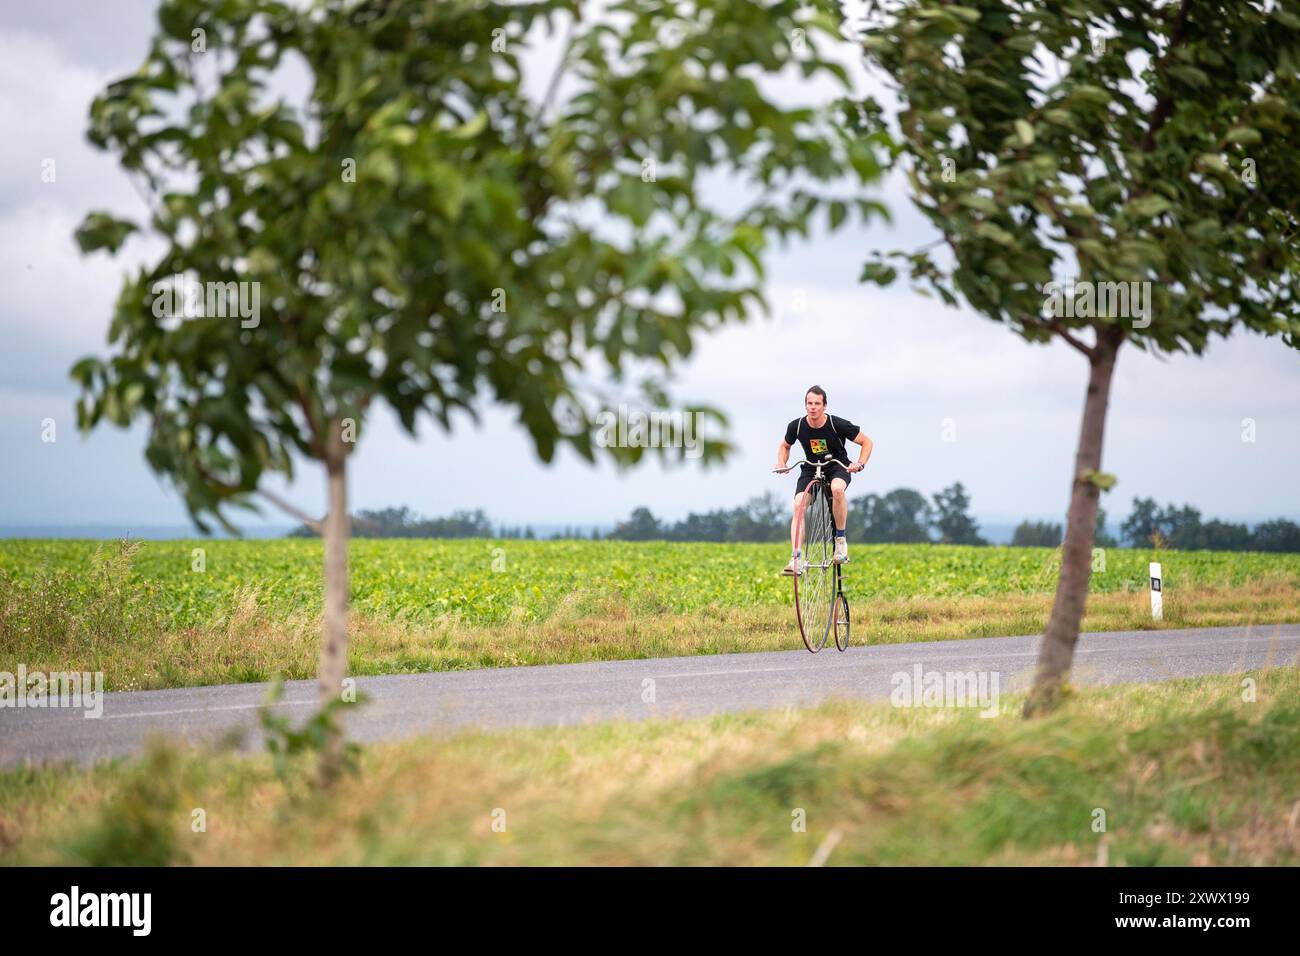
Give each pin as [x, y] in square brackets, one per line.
[814, 405]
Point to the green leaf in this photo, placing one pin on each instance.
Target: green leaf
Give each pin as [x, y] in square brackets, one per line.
[1101, 479]
[1145, 207]
[471, 127]
[838, 211]
[1190, 75]
[1090, 94]
[1214, 162]
[879, 273]
[1025, 132]
[1287, 18]
[979, 203]
[378, 166]
[1094, 248]
[99, 230]
[448, 187]
[401, 134]
[994, 233]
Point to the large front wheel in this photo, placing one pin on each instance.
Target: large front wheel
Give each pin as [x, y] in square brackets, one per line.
[814, 586]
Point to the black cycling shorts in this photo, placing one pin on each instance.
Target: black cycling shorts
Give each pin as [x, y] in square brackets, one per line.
[833, 470]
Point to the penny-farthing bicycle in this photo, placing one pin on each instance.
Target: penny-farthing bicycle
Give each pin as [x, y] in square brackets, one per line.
[819, 601]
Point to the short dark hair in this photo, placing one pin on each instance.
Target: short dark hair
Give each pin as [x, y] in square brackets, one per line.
[816, 390]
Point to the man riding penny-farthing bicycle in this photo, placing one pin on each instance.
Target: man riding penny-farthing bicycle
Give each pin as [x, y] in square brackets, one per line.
[817, 525]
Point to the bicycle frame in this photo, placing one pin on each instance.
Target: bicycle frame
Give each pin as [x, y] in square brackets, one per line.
[838, 600]
[817, 476]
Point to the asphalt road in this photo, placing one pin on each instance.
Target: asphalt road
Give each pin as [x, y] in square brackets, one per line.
[414, 704]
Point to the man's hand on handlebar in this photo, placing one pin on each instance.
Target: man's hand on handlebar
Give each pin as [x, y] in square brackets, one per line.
[856, 467]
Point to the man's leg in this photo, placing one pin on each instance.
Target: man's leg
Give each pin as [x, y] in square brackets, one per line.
[796, 519]
[840, 509]
[796, 531]
[839, 504]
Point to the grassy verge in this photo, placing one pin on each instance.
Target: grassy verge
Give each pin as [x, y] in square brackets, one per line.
[1182, 772]
[108, 614]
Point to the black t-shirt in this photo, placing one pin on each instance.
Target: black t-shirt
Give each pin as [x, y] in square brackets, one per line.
[818, 443]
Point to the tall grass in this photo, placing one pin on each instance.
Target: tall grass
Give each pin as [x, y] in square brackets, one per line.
[59, 612]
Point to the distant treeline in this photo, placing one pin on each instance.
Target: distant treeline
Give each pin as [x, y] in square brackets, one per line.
[403, 523]
[900, 516]
[1180, 529]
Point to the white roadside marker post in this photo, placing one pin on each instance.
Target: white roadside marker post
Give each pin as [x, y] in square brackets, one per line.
[1157, 610]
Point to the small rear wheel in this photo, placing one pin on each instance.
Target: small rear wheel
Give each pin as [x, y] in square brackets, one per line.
[841, 617]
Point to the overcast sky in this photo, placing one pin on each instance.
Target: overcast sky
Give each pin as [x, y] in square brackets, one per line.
[895, 363]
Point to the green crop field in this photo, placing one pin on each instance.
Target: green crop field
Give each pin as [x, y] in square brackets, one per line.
[491, 582]
[174, 613]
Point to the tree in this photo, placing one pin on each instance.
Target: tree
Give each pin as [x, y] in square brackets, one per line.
[1279, 535]
[403, 523]
[1101, 537]
[1178, 528]
[1141, 524]
[1226, 536]
[765, 518]
[705, 526]
[952, 519]
[641, 526]
[422, 235]
[1182, 528]
[1036, 534]
[901, 516]
[1146, 149]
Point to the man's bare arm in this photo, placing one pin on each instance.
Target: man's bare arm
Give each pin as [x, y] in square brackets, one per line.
[782, 455]
[866, 444]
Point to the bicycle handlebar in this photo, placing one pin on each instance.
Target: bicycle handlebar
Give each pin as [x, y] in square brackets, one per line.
[804, 461]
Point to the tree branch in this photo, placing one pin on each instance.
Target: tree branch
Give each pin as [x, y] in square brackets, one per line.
[314, 523]
[1064, 333]
[317, 439]
[1055, 326]
[1165, 104]
[559, 68]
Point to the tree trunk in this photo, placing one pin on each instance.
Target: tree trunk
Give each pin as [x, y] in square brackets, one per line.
[1056, 653]
[334, 644]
